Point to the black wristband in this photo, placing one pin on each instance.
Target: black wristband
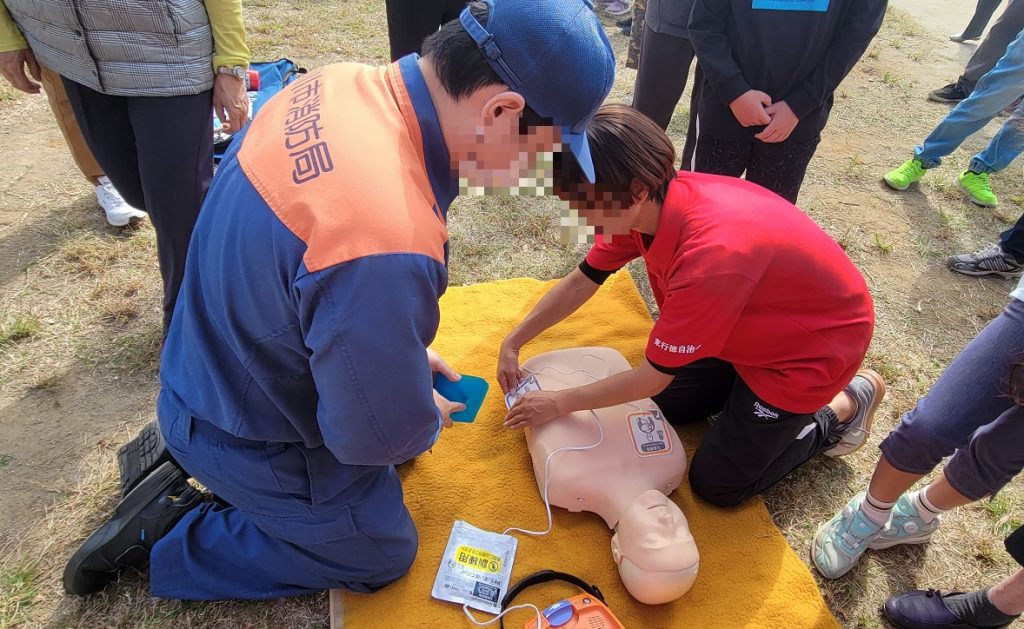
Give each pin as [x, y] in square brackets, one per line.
[596, 276]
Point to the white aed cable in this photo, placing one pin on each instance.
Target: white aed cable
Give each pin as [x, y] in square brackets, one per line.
[547, 460]
[469, 614]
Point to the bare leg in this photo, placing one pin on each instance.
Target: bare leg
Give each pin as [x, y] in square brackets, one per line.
[1008, 595]
[843, 406]
[889, 483]
[941, 494]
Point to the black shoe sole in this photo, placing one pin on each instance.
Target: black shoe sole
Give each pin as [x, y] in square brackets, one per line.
[139, 457]
[943, 99]
[1002, 274]
[80, 581]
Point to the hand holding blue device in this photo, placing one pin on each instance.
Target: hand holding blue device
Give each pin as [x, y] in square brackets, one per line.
[469, 390]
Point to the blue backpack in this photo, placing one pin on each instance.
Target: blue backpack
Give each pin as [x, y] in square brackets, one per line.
[274, 75]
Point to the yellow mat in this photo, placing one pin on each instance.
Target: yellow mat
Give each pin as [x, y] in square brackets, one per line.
[480, 473]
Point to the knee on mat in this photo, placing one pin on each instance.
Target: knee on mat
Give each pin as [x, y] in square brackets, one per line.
[712, 487]
[386, 564]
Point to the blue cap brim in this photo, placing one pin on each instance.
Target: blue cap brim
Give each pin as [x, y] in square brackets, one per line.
[577, 143]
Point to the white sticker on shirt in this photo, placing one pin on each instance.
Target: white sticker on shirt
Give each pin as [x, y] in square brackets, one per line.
[650, 434]
[530, 384]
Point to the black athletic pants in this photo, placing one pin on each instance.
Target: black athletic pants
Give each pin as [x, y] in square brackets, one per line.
[1015, 545]
[158, 153]
[410, 21]
[779, 167]
[753, 444]
[661, 76]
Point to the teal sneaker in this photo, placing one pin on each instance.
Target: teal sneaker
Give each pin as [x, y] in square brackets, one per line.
[905, 174]
[841, 541]
[905, 527]
[977, 188]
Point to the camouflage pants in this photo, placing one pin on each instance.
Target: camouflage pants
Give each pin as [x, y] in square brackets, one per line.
[636, 33]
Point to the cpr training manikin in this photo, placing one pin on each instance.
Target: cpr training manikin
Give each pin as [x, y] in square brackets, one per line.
[625, 479]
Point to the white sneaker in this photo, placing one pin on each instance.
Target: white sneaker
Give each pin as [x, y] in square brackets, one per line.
[118, 212]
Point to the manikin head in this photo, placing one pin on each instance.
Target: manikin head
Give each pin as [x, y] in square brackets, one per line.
[634, 162]
[514, 80]
[654, 550]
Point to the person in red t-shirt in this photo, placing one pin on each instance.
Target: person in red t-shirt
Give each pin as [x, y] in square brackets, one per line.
[763, 317]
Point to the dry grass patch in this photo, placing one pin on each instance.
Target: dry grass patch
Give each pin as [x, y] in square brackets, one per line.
[19, 328]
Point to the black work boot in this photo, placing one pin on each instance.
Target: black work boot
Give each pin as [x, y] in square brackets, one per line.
[139, 457]
[143, 517]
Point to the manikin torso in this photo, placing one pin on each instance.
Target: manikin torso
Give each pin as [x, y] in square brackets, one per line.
[625, 479]
[609, 477]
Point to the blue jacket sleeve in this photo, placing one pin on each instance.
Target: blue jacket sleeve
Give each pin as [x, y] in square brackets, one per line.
[367, 324]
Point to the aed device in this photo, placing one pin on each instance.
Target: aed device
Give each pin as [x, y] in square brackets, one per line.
[469, 390]
[583, 611]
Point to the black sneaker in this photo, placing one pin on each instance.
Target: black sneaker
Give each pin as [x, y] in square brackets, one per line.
[952, 93]
[126, 539]
[625, 22]
[139, 457]
[990, 261]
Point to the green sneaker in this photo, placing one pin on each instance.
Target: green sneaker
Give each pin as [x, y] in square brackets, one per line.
[977, 188]
[907, 173]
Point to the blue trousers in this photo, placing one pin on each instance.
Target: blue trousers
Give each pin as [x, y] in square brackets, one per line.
[994, 92]
[299, 521]
[969, 414]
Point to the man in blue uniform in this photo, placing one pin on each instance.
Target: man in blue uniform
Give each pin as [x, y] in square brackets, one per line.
[296, 372]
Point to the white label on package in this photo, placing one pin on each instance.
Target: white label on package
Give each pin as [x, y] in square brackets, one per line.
[530, 384]
[650, 436]
[475, 568]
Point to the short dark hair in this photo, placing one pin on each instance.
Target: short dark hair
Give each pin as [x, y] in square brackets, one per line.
[457, 60]
[461, 68]
[625, 146]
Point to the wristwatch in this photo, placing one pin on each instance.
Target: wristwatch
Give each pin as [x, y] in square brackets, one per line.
[236, 71]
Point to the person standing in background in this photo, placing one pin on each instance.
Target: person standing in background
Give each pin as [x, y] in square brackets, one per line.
[991, 50]
[636, 34]
[142, 79]
[766, 101]
[411, 21]
[982, 14]
[665, 60]
[14, 58]
[996, 90]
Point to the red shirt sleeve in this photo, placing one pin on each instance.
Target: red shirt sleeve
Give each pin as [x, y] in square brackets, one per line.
[696, 319]
[614, 253]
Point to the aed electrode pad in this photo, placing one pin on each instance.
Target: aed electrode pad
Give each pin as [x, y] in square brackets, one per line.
[530, 384]
[475, 568]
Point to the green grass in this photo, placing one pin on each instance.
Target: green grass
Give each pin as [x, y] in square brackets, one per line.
[18, 592]
[883, 245]
[1001, 509]
[8, 93]
[19, 328]
[5, 460]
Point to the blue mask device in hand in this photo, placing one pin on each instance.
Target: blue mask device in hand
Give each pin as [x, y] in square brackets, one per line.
[469, 390]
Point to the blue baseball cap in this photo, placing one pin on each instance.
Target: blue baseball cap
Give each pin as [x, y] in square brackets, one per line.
[556, 55]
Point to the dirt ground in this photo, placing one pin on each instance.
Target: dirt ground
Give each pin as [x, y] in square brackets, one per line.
[79, 315]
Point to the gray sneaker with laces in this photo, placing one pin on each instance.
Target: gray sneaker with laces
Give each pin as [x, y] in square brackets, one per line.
[990, 261]
[867, 389]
